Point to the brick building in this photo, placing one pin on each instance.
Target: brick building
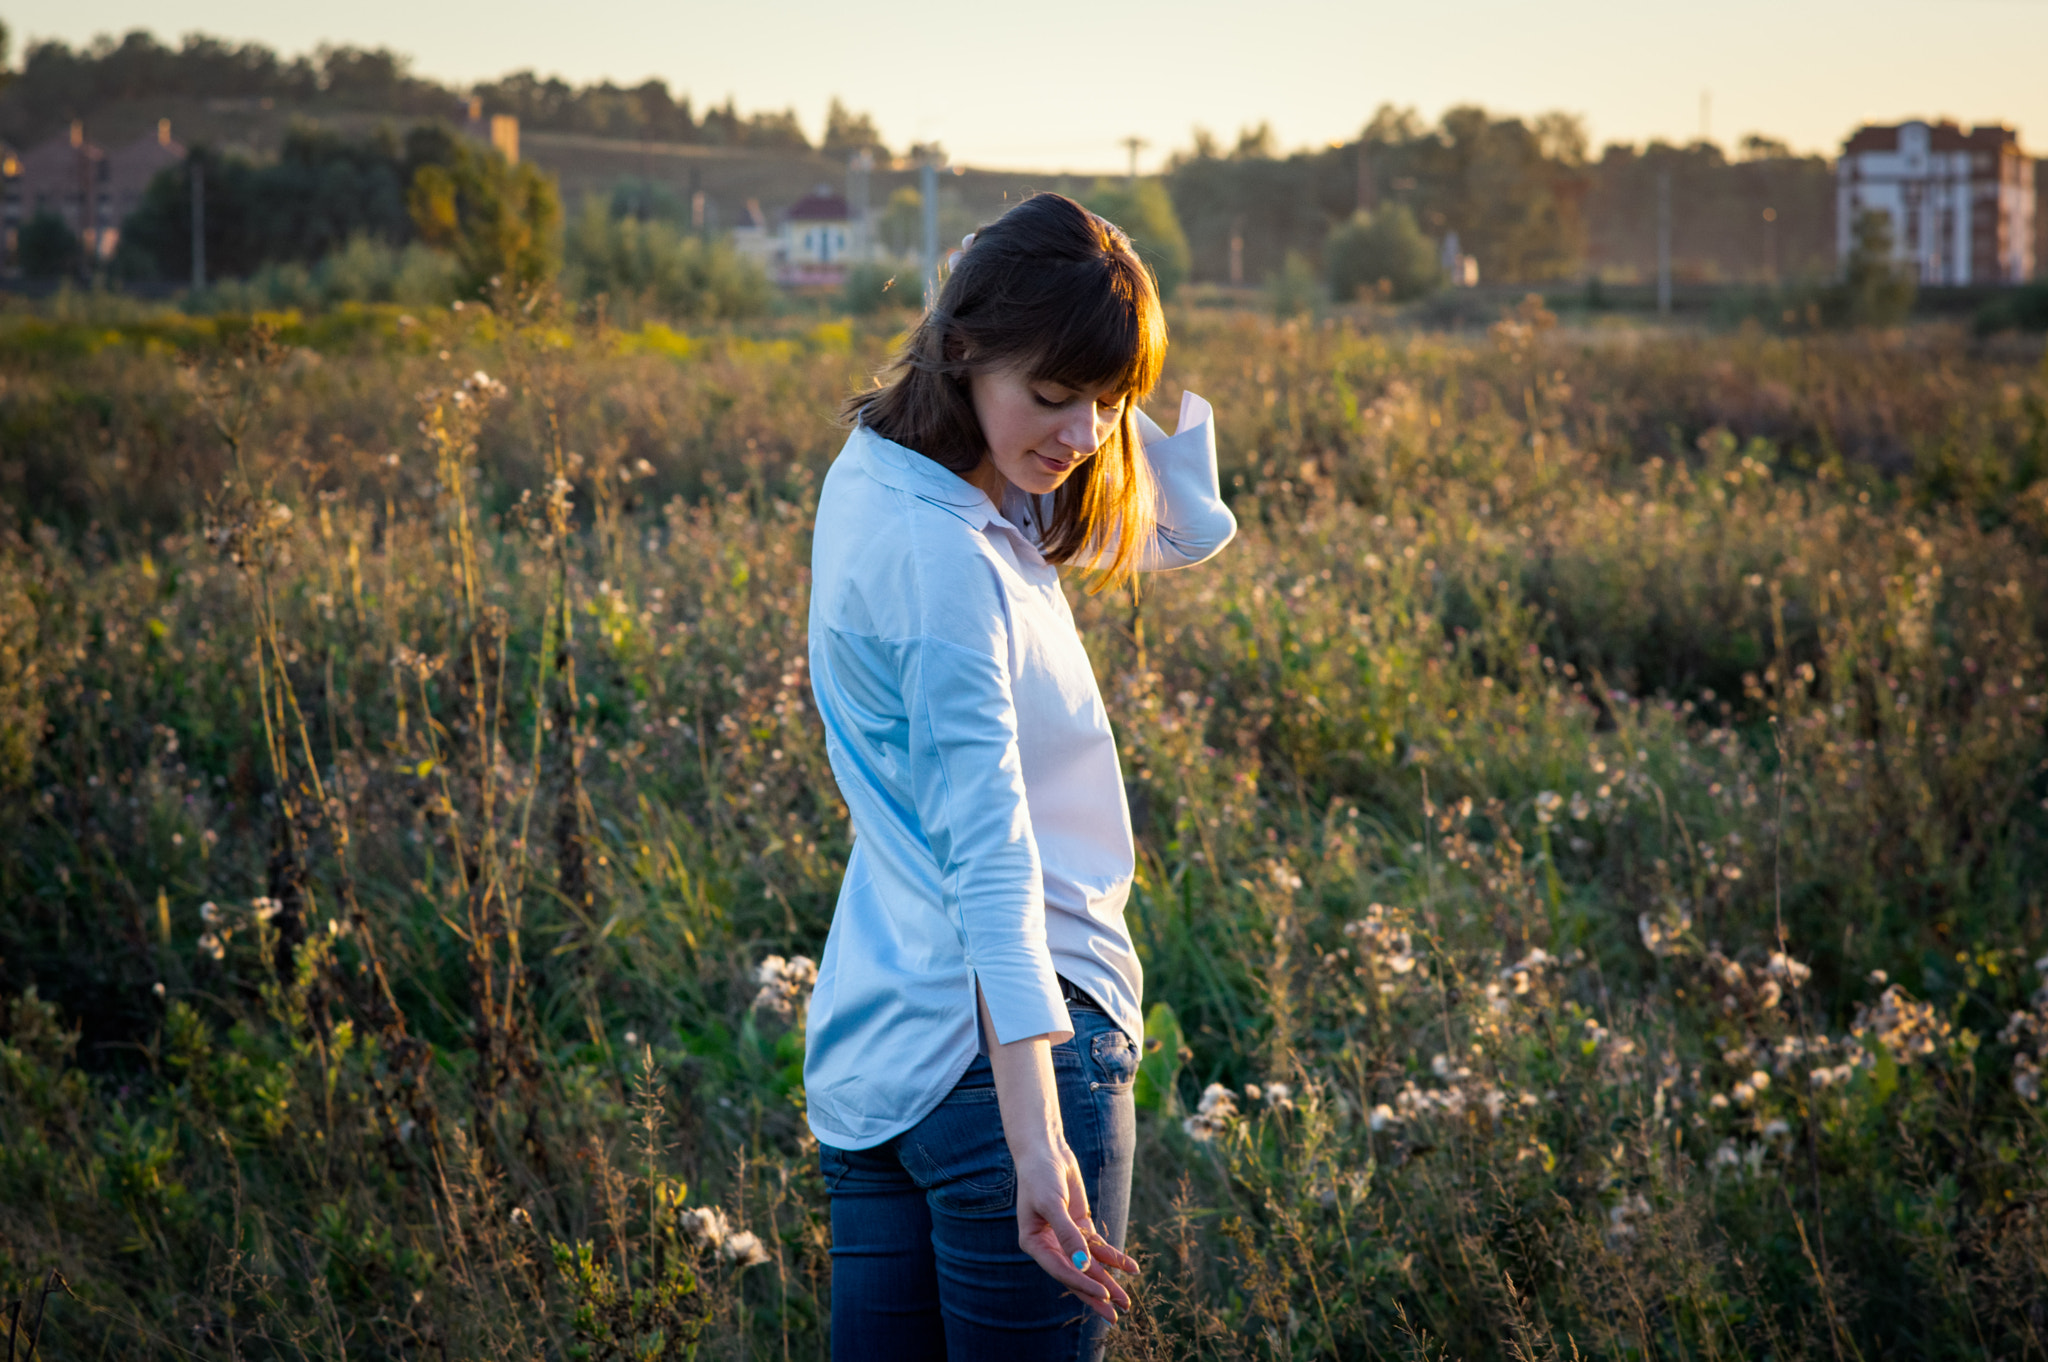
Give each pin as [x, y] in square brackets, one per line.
[90, 188]
[1961, 204]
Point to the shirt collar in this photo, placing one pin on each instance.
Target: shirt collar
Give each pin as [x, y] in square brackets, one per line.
[906, 470]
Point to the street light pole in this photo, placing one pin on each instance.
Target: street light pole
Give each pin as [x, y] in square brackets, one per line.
[928, 189]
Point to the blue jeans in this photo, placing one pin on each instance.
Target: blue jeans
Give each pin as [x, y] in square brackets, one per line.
[925, 1263]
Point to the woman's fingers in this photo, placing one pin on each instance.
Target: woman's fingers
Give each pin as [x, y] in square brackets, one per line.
[1053, 1226]
[1092, 1285]
[1109, 1254]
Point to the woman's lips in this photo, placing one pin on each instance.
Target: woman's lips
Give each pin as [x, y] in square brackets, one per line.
[1056, 465]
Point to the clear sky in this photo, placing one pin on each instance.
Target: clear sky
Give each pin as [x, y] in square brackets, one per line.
[1054, 85]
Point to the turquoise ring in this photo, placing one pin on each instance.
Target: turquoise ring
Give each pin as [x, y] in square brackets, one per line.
[1081, 1258]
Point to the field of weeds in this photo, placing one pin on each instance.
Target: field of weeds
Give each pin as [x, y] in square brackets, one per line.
[1593, 837]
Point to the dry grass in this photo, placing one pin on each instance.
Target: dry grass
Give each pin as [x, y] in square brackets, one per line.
[1591, 826]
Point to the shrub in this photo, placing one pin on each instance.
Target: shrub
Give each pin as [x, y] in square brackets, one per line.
[48, 248]
[1295, 290]
[1382, 250]
[2023, 309]
[498, 220]
[652, 269]
[872, 288]
[1145, 212]
[1875, 290]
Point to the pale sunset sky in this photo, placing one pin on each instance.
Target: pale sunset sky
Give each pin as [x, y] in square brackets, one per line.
[1057, 86]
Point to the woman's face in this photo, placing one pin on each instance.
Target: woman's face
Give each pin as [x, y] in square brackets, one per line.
[1038, 431]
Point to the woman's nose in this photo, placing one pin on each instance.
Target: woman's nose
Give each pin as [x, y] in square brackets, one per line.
[1085, 433]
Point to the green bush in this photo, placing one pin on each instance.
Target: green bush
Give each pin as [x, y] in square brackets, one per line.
[1875, 290]
[2023, 309]
[48, 248]
[1145, 212]
[1294, 291]
[1382, 251]
[499, 220]
[652, 269]
[873, 288]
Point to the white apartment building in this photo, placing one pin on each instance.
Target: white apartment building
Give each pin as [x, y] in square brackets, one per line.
[1961, 203]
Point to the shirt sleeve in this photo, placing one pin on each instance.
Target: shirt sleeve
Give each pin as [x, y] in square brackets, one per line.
[1193, 522]
[967, 781]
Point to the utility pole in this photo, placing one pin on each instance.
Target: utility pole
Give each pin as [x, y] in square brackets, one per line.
[858, 169]
[88, 207]
[1132, 144]
[1664, 242]
[198, 222]
[928, 189]
[1366, 197]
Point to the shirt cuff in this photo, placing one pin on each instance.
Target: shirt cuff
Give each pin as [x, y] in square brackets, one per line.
[1023, 998]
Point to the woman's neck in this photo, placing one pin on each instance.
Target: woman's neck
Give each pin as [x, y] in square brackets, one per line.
[989, 479]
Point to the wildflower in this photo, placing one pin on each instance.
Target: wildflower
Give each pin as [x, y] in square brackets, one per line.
[1387, 942]
[1776, 1130]
[1381, 1117]
[1618, 1216]
[1660, 934]
[1217, 1109]
[1909, 1029]
[2026, 1078]
[743, 1250]
[1784, 967]
[157, 988]
[521, 1219]
[784, 985]
[1547, 802]
[209, 912]
[1745, 1093]
[1719, 1101]
[1580, 808]
[704, 1225]
[1878, 976]
[266, 908]
[211, 945]
[1759, 1080]
[1280, 1095]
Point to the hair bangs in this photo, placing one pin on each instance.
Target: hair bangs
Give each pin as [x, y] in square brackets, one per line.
[1115, 337]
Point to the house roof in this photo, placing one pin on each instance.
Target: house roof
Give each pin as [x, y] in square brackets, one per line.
[1944, 136]
[146, 155]
[820, 205]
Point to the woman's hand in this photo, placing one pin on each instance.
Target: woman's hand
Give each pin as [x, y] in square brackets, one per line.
[1053, 1223]
[1054, 1227]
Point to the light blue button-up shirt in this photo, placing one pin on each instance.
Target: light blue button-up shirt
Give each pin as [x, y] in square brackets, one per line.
[992, 842]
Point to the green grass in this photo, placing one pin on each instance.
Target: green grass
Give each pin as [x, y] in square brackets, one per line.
[403, 779]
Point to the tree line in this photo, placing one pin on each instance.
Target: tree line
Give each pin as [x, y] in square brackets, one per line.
[57, 83]
[1524, 197]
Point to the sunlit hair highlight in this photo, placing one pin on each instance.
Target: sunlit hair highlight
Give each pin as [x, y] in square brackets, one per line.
[1053, 290]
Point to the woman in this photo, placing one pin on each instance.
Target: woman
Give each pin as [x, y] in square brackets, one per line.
[975, 1029]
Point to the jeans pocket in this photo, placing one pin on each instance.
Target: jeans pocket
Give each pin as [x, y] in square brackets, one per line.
[959, 1156]
[831, 1166]
[1115, 1058]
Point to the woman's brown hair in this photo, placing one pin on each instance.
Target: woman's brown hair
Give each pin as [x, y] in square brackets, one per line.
[1052, 289]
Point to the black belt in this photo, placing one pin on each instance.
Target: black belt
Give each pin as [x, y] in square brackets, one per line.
[1076, 996]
